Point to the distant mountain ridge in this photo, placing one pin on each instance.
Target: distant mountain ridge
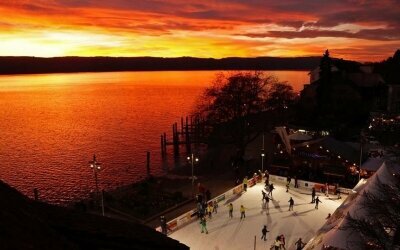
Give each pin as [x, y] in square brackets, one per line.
[33, 65]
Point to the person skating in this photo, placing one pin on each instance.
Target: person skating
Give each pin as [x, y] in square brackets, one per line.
[267, 202]
[203, 225]
[313, 195]
[296, 184]
[163, 225]
[287, 187]
[215, 206]
[277, 243]
[288, 179]
[271, 188]
[326, 190]
[230, 206]
[245, 184]
[242, 212]
[209, 210]
[299, 244]
[264, 232]
[282, 241]
[263, 195]
[291, 203]
[317, 201]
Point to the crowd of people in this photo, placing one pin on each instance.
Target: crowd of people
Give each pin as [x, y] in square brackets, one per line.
[207, 207]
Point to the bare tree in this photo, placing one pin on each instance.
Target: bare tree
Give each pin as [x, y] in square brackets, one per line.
[234, 99]
[380, 228]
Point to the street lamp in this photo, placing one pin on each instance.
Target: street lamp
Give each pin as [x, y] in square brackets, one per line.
[262, 155]
[96, 168]
[192, 159]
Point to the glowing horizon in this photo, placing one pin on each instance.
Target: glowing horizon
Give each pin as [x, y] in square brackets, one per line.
[356, 30]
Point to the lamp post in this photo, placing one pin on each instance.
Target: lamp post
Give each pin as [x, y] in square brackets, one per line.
[192, 159]
[96, 168]
[262, 155]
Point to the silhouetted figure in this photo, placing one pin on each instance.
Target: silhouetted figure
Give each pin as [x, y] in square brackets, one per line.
[242, 212]
[296, 184]
[163, 225]
[245, 183]
[271, 188]
[313, 195]
[264, 232]
[317, 201]
[230, 206]
[291, 204]
[299, 244]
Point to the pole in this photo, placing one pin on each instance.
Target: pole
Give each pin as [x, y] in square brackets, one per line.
[359, 169]
[148, 164]
[102, 202]
[262, 155]
[255, 240]
[192, 159]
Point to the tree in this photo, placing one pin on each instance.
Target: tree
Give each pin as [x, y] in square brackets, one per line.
[380, 228]
[233, 100]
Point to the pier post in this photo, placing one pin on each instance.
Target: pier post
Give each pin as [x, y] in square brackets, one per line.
[162, 145]
[36, 194]
[148, 164]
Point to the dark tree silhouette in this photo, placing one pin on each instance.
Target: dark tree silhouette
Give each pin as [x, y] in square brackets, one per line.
[235, 98]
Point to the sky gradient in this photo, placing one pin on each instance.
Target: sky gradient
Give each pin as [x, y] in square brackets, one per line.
[359, 30]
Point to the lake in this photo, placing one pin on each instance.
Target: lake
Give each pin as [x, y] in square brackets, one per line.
[52, 124]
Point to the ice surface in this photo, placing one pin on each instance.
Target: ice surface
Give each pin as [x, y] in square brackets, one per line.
[226, 233]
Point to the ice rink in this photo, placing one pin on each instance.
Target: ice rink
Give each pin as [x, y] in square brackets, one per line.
[225, 233]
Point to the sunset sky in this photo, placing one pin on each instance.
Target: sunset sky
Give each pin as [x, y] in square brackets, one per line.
[360, 30]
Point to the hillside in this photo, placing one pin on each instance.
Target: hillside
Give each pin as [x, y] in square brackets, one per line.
[32, 65]
[26, 224]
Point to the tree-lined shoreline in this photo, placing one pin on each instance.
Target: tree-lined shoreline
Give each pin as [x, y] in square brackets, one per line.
[38, 65]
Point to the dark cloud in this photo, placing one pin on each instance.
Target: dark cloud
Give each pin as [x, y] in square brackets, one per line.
[370, 34]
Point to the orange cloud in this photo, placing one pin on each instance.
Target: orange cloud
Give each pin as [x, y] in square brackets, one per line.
[353, 30]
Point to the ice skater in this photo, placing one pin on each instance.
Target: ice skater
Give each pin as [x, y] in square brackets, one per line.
[326, 190]
[317, 201]
[296, 184]
[271, 188]
[338, 194]
[277, 243]
[282, 241]
[291, 203]
[313, 195]
[287, 187]
[215, 206]
[264, 232]
[164, 227]
[230, 206]
[245, 183]
[203, 225]
[242, 212]
[263, 195]
[299, 244]
[209, 210]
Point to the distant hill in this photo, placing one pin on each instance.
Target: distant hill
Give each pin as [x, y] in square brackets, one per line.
[32, 65]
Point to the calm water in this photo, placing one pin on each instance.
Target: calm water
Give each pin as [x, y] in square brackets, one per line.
[51, 125]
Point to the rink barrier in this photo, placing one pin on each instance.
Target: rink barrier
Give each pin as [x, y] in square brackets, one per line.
[191, 215]
[309, 185]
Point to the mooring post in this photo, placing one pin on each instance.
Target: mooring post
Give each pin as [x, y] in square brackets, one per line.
[187, 137]
[148, 164]
[162, 145]
[36, 194]
[182, 125]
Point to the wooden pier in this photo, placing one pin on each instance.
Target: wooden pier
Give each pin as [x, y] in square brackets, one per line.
[193, 130]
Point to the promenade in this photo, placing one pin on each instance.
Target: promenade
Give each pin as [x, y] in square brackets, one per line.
[226, 233]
